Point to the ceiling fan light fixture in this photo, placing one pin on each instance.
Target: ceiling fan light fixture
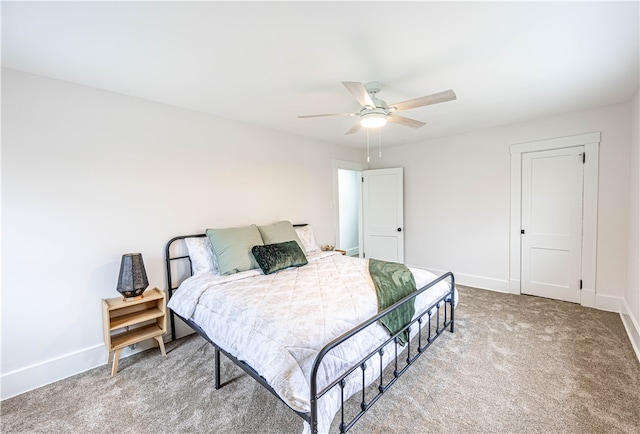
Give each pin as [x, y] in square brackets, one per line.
[373, 120]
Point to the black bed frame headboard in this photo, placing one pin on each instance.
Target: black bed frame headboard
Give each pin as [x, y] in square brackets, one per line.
[171, 286]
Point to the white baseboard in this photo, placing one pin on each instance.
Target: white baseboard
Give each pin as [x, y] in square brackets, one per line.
[632, 327]
[47, 372]
[38, 375]
[488, 283]
[354, 251]
[608, 303]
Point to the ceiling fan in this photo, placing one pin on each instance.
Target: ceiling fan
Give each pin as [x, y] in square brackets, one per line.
[375, 112]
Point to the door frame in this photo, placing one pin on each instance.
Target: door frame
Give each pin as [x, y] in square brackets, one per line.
[345, 165]
[591, 143]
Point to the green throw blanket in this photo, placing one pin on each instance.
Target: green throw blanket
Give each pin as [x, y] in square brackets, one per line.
[393, 282]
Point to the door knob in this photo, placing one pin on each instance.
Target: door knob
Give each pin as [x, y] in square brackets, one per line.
[399, 229]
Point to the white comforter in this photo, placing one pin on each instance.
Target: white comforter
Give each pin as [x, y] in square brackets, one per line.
[278, 323]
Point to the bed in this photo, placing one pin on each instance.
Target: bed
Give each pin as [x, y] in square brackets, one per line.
[309, 334]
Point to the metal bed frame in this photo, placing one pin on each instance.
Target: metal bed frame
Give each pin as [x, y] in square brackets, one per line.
[444, 304]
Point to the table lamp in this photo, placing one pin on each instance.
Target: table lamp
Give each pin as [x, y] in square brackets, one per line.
[133, 278]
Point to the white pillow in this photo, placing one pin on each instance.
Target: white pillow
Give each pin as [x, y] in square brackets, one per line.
[305, 233]
[202, 258]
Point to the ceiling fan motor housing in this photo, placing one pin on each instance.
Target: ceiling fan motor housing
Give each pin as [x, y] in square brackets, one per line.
[379, 103]
[377, 116]
[378, 111]
[372, 87]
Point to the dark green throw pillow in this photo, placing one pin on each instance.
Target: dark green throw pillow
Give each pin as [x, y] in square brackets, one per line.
[276, 257]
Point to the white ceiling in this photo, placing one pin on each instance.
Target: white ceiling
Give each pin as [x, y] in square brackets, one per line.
[265, 63]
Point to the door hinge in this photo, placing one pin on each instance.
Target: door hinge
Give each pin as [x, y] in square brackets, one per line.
[522, 231]
[364, 255]
[580, 283]
[363, 179]
[584, 157]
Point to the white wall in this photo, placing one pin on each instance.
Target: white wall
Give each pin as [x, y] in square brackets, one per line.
[88, 175]
[457, 197]
[349, 199]
[631, 312]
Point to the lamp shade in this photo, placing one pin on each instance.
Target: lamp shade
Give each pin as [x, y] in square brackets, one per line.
[133, 278]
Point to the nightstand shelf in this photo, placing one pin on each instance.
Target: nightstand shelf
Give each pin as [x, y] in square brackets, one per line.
[131, 337]
[129, 322]
[135, 318]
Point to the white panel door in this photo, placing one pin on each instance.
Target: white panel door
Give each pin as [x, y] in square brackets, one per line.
[382, 214]
[552, 185]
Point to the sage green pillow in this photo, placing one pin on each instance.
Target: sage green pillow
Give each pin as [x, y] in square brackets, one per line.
[276, 257]
[232, 247]
[279, 233]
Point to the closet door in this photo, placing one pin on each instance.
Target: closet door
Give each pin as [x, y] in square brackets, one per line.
[552, 191]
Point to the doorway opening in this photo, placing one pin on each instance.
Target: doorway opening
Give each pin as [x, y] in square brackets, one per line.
[349, 211]
[349, 172]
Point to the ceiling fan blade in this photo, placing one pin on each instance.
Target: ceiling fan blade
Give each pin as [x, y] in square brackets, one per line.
[325, 115]
[354, 129]
[436, 98]
[357, 89]
[401, 120]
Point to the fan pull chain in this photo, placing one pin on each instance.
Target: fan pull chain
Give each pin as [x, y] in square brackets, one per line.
[379, 143]
[368, 160]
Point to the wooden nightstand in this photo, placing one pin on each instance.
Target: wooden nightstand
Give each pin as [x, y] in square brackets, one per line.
[148, 315]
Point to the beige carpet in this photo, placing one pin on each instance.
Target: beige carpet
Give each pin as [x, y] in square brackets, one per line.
[516, 364]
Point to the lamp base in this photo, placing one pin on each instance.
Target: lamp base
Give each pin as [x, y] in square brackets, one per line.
[139, 297]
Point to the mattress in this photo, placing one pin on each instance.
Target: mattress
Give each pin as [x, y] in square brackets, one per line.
[278, 323]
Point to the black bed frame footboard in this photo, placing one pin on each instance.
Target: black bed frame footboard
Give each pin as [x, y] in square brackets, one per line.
[431, 323]
[444, 303]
